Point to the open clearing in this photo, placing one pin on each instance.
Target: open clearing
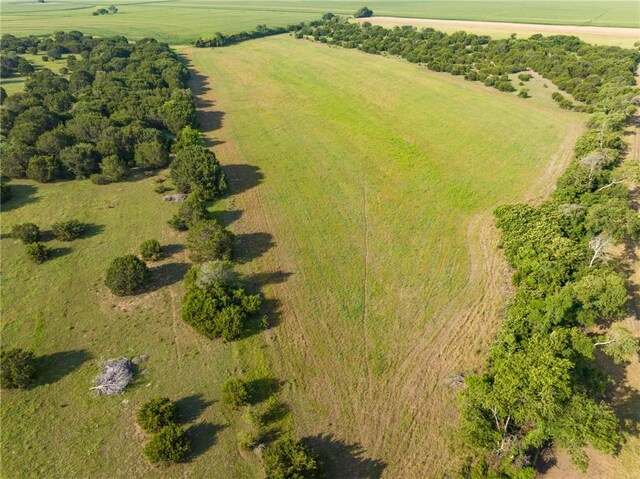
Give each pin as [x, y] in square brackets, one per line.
[182, 21]
[377, 180]
[620, 37]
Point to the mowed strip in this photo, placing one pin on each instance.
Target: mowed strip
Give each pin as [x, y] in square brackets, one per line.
[377, 182]
[614, 36]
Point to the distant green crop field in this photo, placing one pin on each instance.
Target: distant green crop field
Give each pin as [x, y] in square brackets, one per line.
[181, 21]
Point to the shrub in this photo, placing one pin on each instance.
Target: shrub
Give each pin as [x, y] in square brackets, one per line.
[207, 240]
[191, 211]
[151, 250]
[287, 458]
[234, 392]
[219, 311]
[363, 12]
[26, 232]
[37, 252]
[68, 230]
[523, 93]
[126, 274]
[17, 368]
[525, 76]
[169, 446]
[156, 414]
[247, 440]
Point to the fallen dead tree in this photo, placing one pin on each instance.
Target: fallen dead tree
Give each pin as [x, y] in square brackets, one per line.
[116, 376]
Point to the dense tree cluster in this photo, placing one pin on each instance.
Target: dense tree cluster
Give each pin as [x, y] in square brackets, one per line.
[592, 74]
[118, 108]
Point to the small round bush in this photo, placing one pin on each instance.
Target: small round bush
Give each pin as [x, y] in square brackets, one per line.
[26, 232]
[151, 250]
[156, 414]
[17, 368]
[169, 446]
[37, 252]
[234, 392]
[289, 458]
[68, 230]
[126, 275]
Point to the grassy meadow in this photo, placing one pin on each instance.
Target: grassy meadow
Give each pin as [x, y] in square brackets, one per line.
[182, 21]
[64, 313]
[376, 182]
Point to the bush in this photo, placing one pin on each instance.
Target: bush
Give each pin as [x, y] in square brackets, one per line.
[191, 211]
[247, 440]
[151, 250]
[68, 230]
[156, 414]
[287, 458]
[126, 274]
[17, 368]
[525, 76]
[169, 446]
[234, 392]
[37, 252]
[207, 241]
[523, 93]
[218, 311]
[26, 232]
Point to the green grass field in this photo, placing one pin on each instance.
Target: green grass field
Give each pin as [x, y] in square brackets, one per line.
[378, 179]
[182, 21]
[62, 311]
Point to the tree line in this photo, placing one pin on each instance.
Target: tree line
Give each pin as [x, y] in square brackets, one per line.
[120, 107]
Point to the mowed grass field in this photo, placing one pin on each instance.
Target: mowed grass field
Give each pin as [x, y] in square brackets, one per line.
[182, 21]
[64, 313]
[377, 180]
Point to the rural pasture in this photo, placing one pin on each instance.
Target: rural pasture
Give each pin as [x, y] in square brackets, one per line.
[181, 21]
[377, 182]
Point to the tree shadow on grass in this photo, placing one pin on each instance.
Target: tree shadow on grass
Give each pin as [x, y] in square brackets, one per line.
[166, 275]
[53, 367]
[203, 436]
[242, 177]
[341, 460]
[249, 246]
[55, 253]
[191, 407]
[262, 389]
[169, 250]
[226, 218]
[259, 280]
[21, 195]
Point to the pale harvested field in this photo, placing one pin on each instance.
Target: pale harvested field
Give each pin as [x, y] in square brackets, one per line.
[383, 258]
[621, 37]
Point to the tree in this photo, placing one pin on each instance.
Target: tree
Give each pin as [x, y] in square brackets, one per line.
[3, 95]
[196, 169]
[151, 155]
[191, 211]
[364, 12]
[234, 392]
[87, 127]
[156, 414]
[598, 245]
[26, 232]
[601, 296]
[150, 250]
[52, 142]
[113, 169]
[169, 446]
[188, 136]
[126, 275]
[80, 159]
[328, 16]
[619, 343]
[289, 459]
[113, 9]
[5, 191]
[207, 241]
[68, 230]
[17, 368]
[178, 112]
[37, 252]
[43, 168]
[14, 158]
[216, 272]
